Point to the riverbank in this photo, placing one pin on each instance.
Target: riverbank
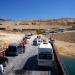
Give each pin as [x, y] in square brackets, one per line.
[65, 48]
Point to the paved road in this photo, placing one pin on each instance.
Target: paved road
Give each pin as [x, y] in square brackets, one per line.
[18, 62]
[24, 63]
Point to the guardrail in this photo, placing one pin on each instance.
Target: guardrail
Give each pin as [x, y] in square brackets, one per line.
[61, 68]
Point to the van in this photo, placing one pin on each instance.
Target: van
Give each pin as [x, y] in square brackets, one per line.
[45, 55]
[14, 49]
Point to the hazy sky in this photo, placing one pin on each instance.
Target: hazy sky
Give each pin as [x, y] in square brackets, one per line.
[37, 9]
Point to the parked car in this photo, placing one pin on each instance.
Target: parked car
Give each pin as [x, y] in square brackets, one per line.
[27, 37]
[14, 49]
[35, 42]
[39, 40]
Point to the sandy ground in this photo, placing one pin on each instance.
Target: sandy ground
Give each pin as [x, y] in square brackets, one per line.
[7, 38]
[65, 48]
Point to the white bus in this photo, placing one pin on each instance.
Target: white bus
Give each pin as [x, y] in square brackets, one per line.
[45, 55]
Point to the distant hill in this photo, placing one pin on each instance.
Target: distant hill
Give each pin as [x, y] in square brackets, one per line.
[36, 24]
[61, 21]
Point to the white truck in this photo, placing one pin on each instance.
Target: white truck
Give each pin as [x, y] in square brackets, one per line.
[45, 55]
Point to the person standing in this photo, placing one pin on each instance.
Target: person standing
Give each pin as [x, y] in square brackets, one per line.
[23, 43]
[1, 69]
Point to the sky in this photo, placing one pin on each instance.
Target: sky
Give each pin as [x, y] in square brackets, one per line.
[36, 9]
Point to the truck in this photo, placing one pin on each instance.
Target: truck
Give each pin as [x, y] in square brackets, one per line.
[45, 55]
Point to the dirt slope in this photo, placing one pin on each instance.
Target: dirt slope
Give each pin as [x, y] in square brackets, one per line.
[66, 36]
[66, 43]
[7, 38]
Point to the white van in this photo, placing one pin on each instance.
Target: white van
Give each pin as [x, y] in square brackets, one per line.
[45, 55]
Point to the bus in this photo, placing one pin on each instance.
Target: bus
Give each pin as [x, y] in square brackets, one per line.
[45, 55]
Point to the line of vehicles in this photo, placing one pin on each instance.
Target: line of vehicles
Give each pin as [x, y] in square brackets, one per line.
[37, 40]
[14, 49]
[45, 55]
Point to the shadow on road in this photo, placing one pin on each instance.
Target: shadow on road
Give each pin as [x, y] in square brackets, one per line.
[32, 64]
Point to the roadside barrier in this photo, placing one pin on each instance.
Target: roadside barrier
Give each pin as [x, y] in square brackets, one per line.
[61, 68]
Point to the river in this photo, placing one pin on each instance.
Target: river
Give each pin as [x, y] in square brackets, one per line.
[69, 63]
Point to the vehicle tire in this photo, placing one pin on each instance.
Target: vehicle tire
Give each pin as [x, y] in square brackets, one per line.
[17, 54]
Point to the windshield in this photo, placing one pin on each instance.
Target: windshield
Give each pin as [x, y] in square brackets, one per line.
[12, 48]
[45, 56]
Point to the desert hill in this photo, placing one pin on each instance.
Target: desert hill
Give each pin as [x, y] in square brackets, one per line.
[35, 24]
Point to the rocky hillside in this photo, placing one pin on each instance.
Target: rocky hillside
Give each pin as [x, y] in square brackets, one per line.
[66, 36]
[36, 24]
[62, 21]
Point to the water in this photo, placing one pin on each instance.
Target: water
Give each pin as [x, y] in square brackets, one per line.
[69, 62]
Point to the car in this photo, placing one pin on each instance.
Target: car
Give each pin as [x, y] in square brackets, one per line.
[27, 37]
[29, 34]
[39, 40]
[3, 61]
[14, 49]
[35, 42]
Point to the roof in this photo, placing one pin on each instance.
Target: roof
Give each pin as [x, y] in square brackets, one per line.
[46, 45]
[14, 44]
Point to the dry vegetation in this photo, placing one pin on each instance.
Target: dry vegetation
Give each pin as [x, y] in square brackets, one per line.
[68, 36]
[51, 23]
[7, 38]
[66, 45]
[65, 48]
